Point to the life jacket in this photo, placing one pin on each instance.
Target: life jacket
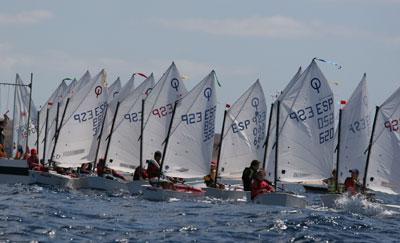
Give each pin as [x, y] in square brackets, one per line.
[33, 161]
[153, 169]
[259, 187]
[332, 185]
[351, 185]
[137, 176]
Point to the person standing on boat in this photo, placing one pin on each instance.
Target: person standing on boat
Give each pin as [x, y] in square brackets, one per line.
[331, 182]
[351, 184]
[260, 185]
[249, 174]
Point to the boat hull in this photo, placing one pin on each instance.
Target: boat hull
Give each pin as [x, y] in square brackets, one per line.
[281, 199]
[102, 184]
[234, 195]
[54, 179]
[152, 193]
[135, 187]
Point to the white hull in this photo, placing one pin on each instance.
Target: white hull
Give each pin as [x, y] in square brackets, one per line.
[158, 194]
[103, 184]
[233, 195]
[282, 199]
[54, 179]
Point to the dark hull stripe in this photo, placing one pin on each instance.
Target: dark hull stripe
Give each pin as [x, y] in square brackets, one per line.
[14, 170]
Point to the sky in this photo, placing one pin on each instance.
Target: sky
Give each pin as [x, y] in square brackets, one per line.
[241, 40]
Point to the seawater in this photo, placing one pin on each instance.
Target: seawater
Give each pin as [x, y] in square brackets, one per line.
[45, 214]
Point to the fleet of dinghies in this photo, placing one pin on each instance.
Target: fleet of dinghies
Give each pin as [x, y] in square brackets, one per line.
[88, 122]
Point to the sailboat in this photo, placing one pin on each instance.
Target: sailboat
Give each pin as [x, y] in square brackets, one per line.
[301, 136]
[158, 110]
[242, 139]
[81, 117]
[189, 142]
[17, 171]
[353, 137]
[120, 141]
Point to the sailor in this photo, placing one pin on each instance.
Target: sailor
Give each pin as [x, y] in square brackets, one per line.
[260, 185]
[153, 166]
[104, 171]
[33, 162]
[86, 168]
[331, 182]
[2, 152]
[249, 174]
[140, 174]
[209, 179]
[20, 152]
[3, 125]
[351, 184]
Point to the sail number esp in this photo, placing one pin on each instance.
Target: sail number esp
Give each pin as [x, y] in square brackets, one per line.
[323, 112]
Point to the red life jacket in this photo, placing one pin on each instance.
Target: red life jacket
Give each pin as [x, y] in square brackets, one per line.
[153, 170]
[259, 187]
[33, 161]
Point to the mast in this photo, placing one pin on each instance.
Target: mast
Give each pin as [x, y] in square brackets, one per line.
[167, 138]
[276, 144]
[45, 135]
[267, 137]
[58, 133]
[57, 115]
[369, 148]
[141, 140]
[29, 115]
[14, 116]
[338, 151]
[111, 132]
[220, 146]
[37, 132]
[99, 140]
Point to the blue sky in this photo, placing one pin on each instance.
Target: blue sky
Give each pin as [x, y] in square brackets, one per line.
[241, 40]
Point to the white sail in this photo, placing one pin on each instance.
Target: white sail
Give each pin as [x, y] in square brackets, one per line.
[51, 104]
[124, 149]
[270, 156]
[127, 89]
[244, 134]
[82, 82]
[71, 87]
[82, 122]
[306, 129]
[21, 132]
[69, 92]
[355, 132]
[383, 174]
[158, 110]
[114, 90]
[189, 151]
